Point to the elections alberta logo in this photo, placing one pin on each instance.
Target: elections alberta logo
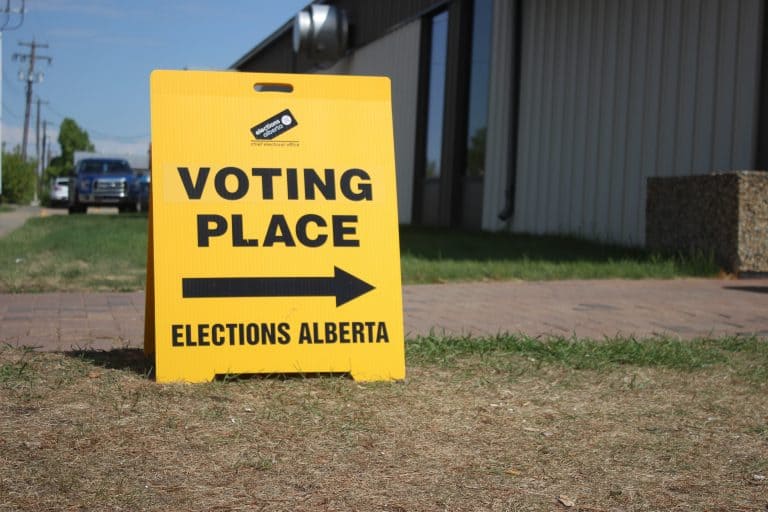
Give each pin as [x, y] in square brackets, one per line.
[276, 125]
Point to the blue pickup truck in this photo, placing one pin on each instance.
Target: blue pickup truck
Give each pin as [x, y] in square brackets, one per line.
[104, 182]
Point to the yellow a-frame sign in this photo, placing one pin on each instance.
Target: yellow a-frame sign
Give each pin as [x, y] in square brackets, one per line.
[274, 237]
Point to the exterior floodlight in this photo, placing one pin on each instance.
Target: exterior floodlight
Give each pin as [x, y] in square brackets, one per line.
[320, 33]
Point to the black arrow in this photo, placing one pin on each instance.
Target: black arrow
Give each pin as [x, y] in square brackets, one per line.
[343, 285]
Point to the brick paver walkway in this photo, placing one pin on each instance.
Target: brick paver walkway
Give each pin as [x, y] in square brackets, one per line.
[682, 308]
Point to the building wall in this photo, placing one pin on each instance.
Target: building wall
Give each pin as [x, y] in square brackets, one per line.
[615, 91]
[373, 19]
[396, 56]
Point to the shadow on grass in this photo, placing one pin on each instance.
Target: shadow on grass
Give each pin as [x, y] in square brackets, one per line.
[224, 377]
[134, 360]
[432, 255]
[439, 243]
[130, 359]
[753, 289]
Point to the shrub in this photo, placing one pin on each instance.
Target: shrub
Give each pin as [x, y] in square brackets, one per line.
[18, 179]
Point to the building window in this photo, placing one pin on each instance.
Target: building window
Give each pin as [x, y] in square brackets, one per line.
[437, 66]
[479, 78]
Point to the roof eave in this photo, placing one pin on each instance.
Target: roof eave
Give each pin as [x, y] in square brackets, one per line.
[288, 25]
[266, 42]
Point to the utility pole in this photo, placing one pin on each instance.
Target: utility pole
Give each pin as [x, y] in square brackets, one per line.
[30, 77]
[37, 128]
[45, 140]
[7, 11]
[40, 165]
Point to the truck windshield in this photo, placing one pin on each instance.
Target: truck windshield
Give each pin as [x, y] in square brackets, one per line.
[104, 166]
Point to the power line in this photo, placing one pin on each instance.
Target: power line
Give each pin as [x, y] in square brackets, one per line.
[7, 109]
[6, 23]
[119, 137]
[11, 82]
[95, 133]
[56, 111]
[99, 133]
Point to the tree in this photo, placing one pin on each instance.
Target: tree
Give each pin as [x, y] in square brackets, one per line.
[18, 178]
[72, 138]
[56, 168]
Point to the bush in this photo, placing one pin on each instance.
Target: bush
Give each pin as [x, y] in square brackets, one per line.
[18, 179]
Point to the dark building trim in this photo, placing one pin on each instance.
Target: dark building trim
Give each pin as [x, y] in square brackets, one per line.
[447, 207]
[422, 108]
[514, 119]
[453, 157]
[275, 57]
[761, 140]
[273, 39]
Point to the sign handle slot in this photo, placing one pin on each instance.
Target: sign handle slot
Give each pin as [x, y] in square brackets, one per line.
[272, 87]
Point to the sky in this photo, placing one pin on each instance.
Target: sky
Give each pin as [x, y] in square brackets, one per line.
[104, 50]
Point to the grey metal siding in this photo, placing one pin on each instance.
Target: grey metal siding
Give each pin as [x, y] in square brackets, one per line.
[615, 91]
[395, 56]
[369, 20]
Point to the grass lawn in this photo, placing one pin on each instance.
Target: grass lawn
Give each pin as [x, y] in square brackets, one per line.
[84, 252]
[504, 424]
[108, 252]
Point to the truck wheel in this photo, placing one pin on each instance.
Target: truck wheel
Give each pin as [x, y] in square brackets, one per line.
[76, 206]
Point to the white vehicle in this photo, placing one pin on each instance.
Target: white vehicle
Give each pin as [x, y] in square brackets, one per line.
[59, 194]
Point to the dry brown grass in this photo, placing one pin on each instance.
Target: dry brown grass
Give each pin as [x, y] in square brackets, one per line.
[75, 435]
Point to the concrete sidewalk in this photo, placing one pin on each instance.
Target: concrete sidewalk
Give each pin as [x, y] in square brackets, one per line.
[684, 308]
[10, 221]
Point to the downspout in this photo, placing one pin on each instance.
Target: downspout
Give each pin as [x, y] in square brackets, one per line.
[508, 212]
